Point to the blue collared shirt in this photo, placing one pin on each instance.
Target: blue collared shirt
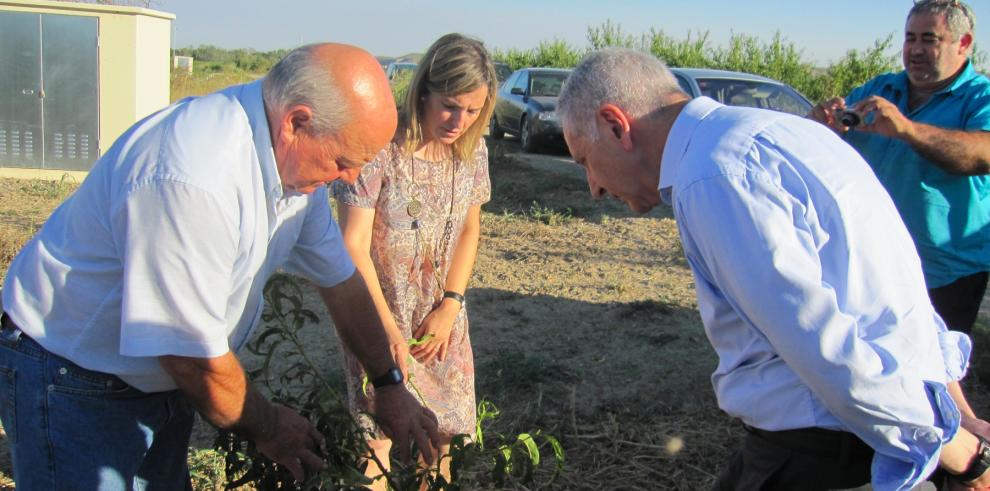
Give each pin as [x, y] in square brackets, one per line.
[948, 215]
[166, 246]
[809, 287]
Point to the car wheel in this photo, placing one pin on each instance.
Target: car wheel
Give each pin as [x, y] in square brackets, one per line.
[525, 136]
[494, 129]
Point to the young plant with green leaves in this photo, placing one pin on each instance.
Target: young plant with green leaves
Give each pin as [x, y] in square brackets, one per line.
[489, 459]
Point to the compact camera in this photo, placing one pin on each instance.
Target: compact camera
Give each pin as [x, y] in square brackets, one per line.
[848, 118]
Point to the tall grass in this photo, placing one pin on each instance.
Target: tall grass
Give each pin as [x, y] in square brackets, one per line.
[204, 82]
[400, 87]
[555, 54]
[26, 205]
[777, 58]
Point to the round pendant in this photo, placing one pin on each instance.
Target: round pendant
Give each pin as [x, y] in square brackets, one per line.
[414, 208]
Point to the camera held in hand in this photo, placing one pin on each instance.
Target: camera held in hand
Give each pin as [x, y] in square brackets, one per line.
[848, 118]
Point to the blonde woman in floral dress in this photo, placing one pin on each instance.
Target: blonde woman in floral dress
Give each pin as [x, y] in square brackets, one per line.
[412, 223]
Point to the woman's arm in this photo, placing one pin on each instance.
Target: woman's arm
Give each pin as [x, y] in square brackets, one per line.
[440, 322]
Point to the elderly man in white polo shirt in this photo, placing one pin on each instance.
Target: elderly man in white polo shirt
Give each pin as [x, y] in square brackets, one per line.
[124, 313]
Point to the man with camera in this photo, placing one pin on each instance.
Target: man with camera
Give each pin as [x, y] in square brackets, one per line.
[924, 133]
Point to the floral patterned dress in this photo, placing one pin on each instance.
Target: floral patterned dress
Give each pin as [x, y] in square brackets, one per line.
[413, 201]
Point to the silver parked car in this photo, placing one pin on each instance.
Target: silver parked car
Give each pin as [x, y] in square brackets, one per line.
[742, 89]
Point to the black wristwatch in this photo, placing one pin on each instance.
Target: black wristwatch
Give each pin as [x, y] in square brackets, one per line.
[392, 377]
[979, 465]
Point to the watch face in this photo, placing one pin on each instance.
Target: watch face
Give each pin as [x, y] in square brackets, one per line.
[392, 377]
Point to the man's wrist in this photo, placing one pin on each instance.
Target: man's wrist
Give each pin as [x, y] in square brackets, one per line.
[393, 376]
[979, 464]
[259, 418]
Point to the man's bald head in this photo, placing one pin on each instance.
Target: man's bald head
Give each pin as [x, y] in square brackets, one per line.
[341, 84]
[330, 110]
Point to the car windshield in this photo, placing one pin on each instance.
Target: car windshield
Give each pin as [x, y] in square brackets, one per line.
[546, 84]
[751, 93]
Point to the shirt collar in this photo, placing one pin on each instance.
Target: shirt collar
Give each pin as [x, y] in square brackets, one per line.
[967, 74]
[900, 82]
[677, 142]
[254, 106]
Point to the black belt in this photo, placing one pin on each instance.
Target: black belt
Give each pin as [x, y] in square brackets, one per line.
[841, 445]
[6, 322]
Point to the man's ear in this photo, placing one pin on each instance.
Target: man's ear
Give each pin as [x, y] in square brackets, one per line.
[966, 42]
[618, 124]
[296, 121]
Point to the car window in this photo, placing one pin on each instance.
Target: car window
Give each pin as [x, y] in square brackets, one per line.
[521, 81]
[750, 93]
[547, 84]
[510, 82]
[685, 85]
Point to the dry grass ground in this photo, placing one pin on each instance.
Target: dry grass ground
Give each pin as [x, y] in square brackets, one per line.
[584, 323]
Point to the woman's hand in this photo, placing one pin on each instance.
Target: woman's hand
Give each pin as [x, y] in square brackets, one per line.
[435, 332]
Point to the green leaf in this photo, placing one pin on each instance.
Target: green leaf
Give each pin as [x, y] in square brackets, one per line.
[419, 341]
[532, 450]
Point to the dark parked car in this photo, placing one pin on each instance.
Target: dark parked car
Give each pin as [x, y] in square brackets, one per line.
[742, 89]
[526, 106]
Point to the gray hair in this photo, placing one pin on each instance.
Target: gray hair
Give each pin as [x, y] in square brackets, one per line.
[959, 17]
[637, 82]
[301, 79]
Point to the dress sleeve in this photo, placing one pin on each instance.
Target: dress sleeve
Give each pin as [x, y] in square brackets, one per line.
[175, 284]
[481, 190]
[364, 192]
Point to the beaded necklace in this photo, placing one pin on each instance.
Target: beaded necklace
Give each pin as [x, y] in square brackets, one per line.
[414, 208]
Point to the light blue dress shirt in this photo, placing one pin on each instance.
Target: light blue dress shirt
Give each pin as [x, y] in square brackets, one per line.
[809, 287]
[948, 215]
[166, 246]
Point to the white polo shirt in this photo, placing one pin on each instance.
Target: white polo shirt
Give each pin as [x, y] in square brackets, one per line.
[166, 246]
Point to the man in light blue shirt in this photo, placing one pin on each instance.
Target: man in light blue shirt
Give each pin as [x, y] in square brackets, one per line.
[808, 284]
[125, 312]
[924, 131]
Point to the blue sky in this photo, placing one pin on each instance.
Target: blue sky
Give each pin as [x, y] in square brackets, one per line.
[825, 29]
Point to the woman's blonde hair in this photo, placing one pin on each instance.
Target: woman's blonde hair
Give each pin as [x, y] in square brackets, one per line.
[455, 64]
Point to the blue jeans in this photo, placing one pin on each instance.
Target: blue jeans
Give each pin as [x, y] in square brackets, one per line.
[72, 428]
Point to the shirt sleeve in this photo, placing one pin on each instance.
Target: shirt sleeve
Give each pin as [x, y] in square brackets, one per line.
[319, 254]
[956, 349]
[750, 239]
[365, 190]
[179, 246]
[481, 190]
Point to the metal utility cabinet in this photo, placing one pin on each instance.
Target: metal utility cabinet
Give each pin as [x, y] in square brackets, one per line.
[74, 76]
